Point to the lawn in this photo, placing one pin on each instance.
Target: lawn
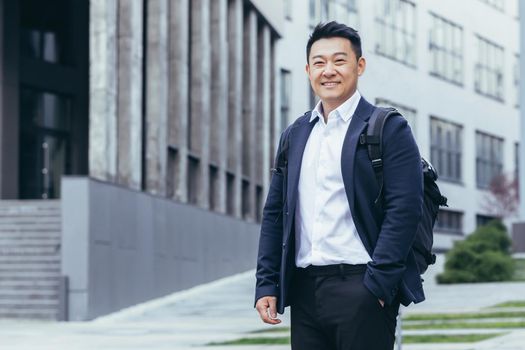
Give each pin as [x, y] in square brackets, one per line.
[513, 303]
[502, 319]
[465, 325]
[409, 339]
[463, 316]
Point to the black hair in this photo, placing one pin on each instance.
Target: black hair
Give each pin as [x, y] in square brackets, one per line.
[334, 30]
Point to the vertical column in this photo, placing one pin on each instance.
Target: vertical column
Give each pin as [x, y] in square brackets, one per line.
[103, 90]
[263, 113]
[235, 122]
[521, 8]
[276, 116]
[249, 112]
[179, 97]
[9, 99]
[130, 36]
[156, 96]
[219, 99]
[200, 96]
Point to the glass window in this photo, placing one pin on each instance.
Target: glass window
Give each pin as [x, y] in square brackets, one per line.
[446, 148]
[488, 70]
[446, 49]
[450, 222]
[482, 220]
[343, 11]
[395, 25]
[286, 86]
[45, 31]
[489, 155]
[45, 120]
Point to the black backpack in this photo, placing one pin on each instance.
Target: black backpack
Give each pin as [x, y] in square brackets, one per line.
[432, 198]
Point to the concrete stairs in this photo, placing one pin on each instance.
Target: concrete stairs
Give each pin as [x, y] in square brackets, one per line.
[30, 241]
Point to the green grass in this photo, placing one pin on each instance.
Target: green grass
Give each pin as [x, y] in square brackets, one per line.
[465, 325]
[409, 339]
[462, 316]
[519, 271]
[448, 338]
[256, 341]
[513, 303]
[272, 330]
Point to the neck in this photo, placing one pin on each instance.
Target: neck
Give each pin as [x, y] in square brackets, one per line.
[327, 108]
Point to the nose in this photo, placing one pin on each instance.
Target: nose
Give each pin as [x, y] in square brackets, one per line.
[329, 69]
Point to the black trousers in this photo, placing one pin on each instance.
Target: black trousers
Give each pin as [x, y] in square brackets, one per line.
[331, 309]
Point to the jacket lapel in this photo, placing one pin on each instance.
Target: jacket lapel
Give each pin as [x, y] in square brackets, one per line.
[357, 126]
[297, 142]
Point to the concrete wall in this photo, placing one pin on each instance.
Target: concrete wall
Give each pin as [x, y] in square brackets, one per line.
[121, 247]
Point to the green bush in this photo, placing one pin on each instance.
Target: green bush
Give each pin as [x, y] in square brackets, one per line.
[482, 257]
[491, 237]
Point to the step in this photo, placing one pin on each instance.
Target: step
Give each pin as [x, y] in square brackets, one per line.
[24, 203]
[23, 251]
[46, 267]
[29, 259]
[38, 304]
[29, 265]
[32, 227]
[25, 293]
[14, 244]
[23, 240]
[29, 314]
[28, 220]
[29, 276]
[20, 212]
[11, 285]
[9, 274]
[28, 235]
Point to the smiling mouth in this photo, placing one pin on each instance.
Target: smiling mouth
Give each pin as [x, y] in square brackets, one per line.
[330, 83]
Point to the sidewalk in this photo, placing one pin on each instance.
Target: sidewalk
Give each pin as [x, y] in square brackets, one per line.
[223, 310]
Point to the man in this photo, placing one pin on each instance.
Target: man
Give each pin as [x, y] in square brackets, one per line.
[343, 263]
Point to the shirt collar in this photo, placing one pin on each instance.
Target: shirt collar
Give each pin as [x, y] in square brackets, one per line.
[346, 110]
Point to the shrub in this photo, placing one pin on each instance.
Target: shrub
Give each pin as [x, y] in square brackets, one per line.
[481, 257]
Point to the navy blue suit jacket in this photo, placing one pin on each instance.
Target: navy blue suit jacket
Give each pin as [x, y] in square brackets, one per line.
[387, 233]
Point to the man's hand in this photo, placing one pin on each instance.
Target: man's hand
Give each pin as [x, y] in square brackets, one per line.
[381, 302]
[267, 308]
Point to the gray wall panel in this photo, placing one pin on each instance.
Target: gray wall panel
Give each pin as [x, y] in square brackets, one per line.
[138, 246]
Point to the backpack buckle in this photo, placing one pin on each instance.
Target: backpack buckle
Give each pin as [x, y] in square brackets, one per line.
[377, 163]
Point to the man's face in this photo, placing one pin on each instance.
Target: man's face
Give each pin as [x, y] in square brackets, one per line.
[333, 70]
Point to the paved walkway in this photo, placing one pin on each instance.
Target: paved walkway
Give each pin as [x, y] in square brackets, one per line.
[223, 310]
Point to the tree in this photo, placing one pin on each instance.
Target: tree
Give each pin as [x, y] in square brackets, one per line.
[502, 200]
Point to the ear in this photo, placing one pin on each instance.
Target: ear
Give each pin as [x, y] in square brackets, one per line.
[307, 69]
[361, 66]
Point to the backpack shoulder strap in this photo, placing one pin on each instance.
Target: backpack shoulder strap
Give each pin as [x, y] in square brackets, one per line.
[374, 140]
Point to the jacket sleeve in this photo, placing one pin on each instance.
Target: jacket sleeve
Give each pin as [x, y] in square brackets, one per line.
[402, 204]
[271, 235]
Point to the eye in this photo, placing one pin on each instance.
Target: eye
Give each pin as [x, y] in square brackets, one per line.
[340, 60]
[318, 63]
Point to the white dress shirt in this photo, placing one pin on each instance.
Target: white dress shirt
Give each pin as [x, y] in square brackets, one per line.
[324, 229]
